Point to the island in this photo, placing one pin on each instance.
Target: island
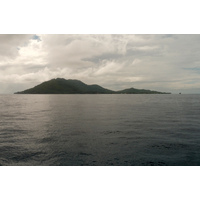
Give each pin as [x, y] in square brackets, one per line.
[70, 86]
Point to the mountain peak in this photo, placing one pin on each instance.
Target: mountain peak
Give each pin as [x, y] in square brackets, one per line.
[72, 86]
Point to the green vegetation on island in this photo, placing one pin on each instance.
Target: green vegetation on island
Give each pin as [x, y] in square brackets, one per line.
[63, 86]
[139, 91]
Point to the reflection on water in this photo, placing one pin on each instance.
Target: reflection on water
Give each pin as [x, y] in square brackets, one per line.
[99, 129]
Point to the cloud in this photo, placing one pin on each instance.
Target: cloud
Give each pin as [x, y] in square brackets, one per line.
[9, 45]
[160, 62]
[77, 50]
[108, 67]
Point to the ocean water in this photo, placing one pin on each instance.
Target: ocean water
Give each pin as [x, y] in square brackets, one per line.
[100, 130]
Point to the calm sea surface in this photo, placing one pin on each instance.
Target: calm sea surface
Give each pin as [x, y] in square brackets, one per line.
[100, 130]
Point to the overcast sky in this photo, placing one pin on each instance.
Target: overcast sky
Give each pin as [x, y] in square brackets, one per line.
[168, 63]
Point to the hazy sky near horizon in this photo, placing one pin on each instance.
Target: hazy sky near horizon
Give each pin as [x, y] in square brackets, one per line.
[168, 63]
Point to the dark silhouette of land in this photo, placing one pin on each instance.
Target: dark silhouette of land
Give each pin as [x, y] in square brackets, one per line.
[63, 86]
